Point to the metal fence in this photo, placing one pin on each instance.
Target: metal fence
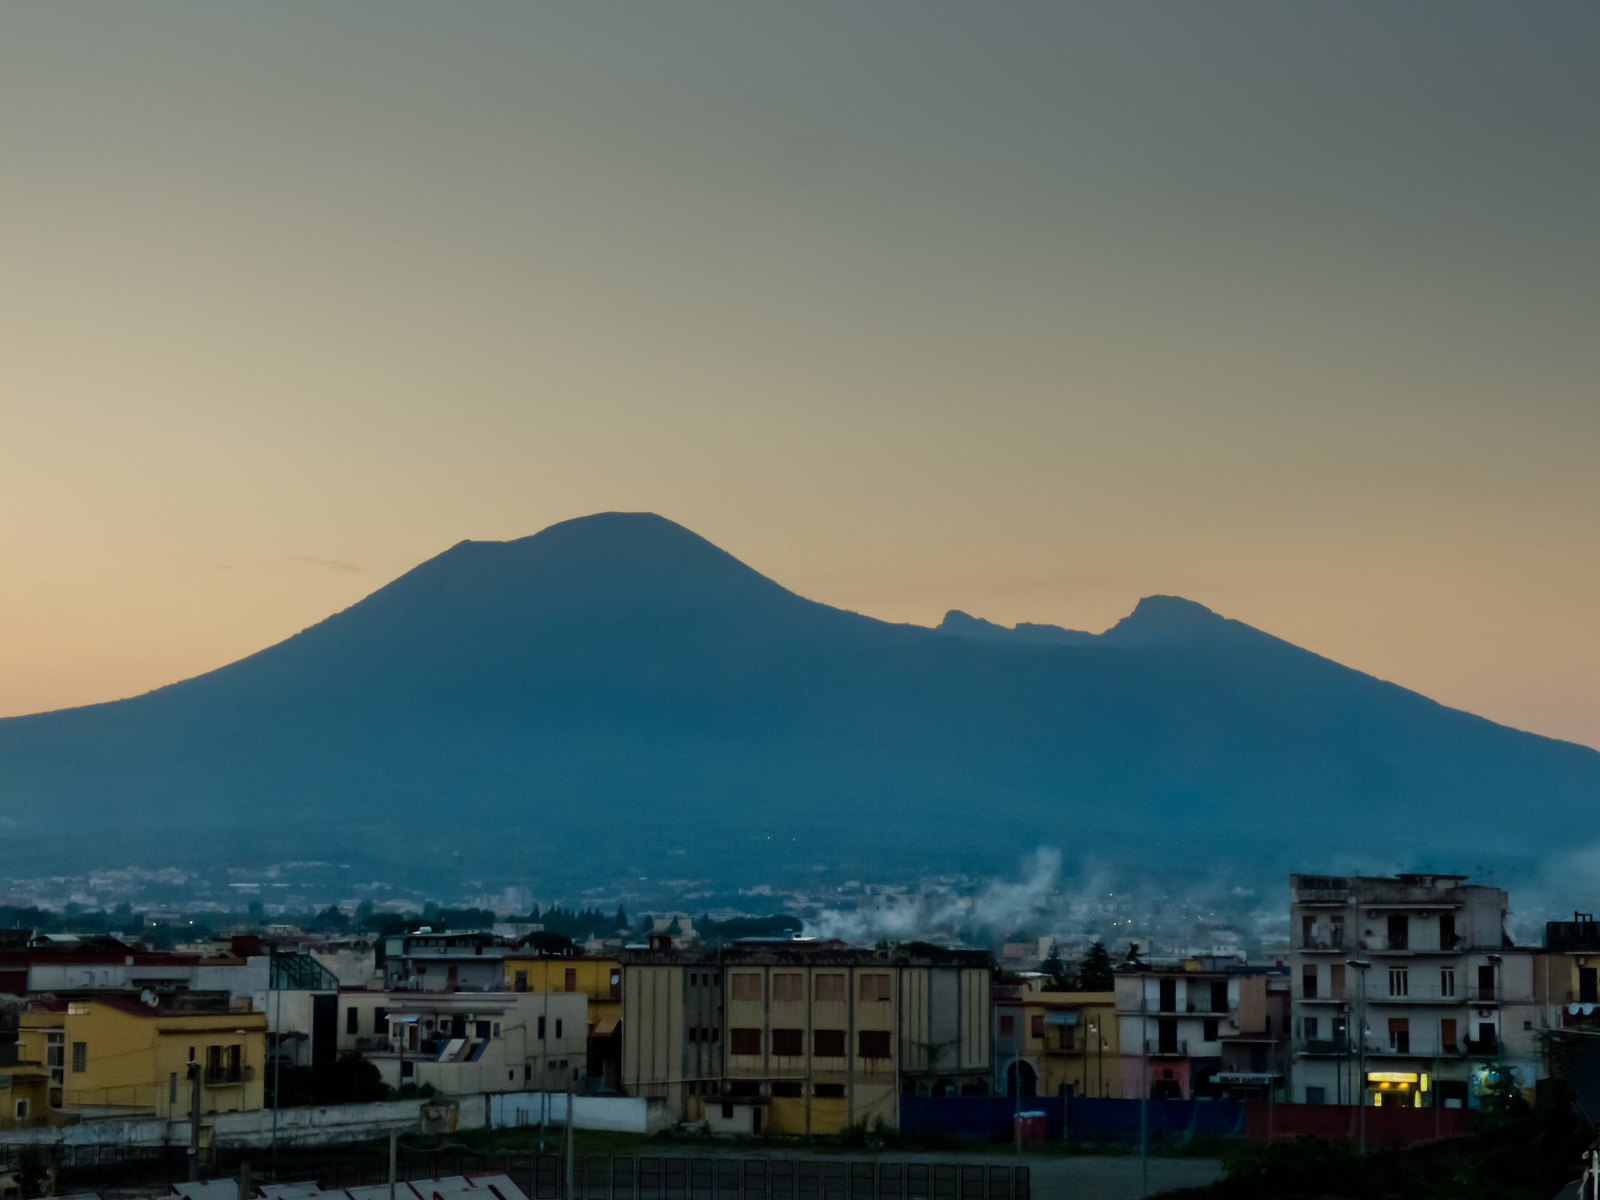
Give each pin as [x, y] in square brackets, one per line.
[543, 1176]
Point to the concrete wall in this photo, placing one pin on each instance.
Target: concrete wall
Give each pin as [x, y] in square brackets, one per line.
[332, 1124]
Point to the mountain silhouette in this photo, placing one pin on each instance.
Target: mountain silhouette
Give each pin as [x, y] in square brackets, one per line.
[617, 696]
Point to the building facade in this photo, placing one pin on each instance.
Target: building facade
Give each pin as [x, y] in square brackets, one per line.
[1399, 987]
[110, 1054]
[1055, 1043]
[803, 1037]
[1201, 1029]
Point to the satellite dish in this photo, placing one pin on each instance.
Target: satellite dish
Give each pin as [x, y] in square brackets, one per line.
[149, 997]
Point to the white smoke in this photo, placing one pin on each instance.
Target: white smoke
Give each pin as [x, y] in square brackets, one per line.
[938, 915]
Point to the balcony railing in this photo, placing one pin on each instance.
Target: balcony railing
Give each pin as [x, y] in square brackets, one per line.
[1325, 1046]
[1322, 943]
[1171, 1048]
[227, 1076]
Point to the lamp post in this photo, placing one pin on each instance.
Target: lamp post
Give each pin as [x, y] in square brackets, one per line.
[1361, 966]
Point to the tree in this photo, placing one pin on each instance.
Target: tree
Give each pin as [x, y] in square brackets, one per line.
[1094, 971]
[551, 945]
[621, 921]
[1056, 969]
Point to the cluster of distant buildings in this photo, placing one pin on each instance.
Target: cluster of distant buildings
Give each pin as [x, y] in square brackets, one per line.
[1396, 991]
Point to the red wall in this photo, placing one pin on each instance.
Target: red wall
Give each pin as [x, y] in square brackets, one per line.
[1384, 1125]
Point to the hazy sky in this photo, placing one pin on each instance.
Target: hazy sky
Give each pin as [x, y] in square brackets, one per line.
[1027, 309]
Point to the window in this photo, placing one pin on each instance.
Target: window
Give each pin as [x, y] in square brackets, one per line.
[1316, 1095]
[1311, 1026]
[558, 1027]
[1208, 1031]
[521, 981]
[1447, 931]
[540, 1034]
[874, 988]
[22, 1110]
[1447, 1033]
[1399, 932]
[55, 1055]
[827, 1043]
[1308, 982]
[380, 1020]
[1447, 981]
[616, 985]
[744, 1041]
[352, 1019]
[828, 1091]
[746, 985]
[1036, 1025]
[829, 989]
[1399, 981]
[787, 1087]
[569, 982]
[788, 987]
[172, 1088]
[789, 1043]
[482, 1032]
[1219, 996]
[873, 1043]
[1400, 1035]
[1008, 1025]
[694, 1033]
[80, 1057]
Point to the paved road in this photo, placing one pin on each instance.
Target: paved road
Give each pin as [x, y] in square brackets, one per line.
[1090, 1176]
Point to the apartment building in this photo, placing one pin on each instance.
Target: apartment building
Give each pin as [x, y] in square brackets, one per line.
[111, 1054]
[1055, 1043]
[475, 1041]
[1400, 985]
[803, 1037]
[440, 961]
[1202, 1028]
[596, 977]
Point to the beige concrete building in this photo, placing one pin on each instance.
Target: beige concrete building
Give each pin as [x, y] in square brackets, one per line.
[802, 1037]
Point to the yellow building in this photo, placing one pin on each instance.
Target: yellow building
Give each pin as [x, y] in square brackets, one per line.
[599, 980]
[113, 1054]
[24, 1095]
[802, 1038]
[1071, 1038]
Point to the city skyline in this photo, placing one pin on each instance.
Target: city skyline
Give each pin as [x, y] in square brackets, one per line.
[1288, 311]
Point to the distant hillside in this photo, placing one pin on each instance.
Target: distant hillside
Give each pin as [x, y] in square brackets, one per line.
[615, 695]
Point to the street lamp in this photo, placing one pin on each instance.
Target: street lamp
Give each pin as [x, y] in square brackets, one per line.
[1361, 966]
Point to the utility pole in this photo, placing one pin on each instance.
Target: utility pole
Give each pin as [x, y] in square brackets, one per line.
[194, 1121]
[394, 1159]
[277, 1050]
[571, 1192]
[1361, 966]
[246, 1188]
[1144, 1087]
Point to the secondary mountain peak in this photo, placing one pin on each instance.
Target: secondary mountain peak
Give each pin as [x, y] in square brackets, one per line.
[1166, 618]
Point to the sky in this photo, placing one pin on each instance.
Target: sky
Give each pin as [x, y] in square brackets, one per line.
[1026, 309]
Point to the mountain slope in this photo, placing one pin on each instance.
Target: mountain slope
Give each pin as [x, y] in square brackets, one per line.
[616, 689]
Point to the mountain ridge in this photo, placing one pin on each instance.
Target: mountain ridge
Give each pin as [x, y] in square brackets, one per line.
[619, 671]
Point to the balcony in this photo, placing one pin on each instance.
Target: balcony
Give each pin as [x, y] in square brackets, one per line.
[1167, 1048]
[1483, 1047]
[1322, 944]
[227, 1076]
[1325, 1047]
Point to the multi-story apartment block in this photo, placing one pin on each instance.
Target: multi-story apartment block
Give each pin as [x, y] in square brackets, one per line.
[1399, 986]
[1566, 979]
[802, 1037]
[430, 961]
[475, 1041]
[111, 1054]
[1055, 1043]
[1204, 1027]
[598, 978]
